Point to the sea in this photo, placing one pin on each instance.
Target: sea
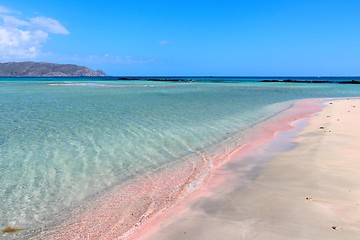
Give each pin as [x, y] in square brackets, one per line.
[66, 141]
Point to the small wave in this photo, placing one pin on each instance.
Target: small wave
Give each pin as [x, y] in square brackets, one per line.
[79, 84]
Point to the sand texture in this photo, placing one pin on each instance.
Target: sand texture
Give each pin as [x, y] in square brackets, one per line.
[309, 189]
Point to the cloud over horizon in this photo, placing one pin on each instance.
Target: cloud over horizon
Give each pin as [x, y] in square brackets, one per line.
[21, 38]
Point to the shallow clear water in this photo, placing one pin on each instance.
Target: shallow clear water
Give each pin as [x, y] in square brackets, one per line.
[63, 142]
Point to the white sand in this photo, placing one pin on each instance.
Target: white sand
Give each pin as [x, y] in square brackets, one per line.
[311, 191]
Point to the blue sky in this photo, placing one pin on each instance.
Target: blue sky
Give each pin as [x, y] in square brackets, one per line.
[208, 38]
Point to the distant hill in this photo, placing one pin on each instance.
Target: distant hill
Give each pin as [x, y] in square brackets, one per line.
[43, 69]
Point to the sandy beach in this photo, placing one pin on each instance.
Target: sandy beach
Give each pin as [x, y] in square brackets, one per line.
[308, 189]
[176, 120]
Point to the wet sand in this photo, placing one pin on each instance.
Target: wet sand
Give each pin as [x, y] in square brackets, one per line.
[176, 203]
[307, 188]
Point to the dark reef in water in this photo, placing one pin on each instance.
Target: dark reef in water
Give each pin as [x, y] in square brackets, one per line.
[188, 79]
[350, 82]
[312, 81]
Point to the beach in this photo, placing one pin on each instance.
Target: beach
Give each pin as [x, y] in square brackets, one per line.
[126, 160]
[138, 208]
[179, 120]
[307, 190]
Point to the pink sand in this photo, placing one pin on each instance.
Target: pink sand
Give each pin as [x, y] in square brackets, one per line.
[308, 190]
[137, 208]
[260, 136]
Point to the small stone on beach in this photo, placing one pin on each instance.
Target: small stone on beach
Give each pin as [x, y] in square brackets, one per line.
[334, 227]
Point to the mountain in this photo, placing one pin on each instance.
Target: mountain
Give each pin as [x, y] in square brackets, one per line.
[43, 69]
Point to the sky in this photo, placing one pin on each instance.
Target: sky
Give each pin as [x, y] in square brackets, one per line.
[186, 38]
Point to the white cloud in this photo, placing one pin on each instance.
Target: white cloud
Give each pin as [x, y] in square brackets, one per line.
[6, 10]
[20, 44]
[14, 21]
[50, 25]
[23, 39]
[164, 42]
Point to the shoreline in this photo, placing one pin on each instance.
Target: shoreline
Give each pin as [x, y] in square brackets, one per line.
[307, 190]
[261, 135]
[114, 215]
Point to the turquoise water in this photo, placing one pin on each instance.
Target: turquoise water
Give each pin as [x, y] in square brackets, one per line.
[64, 142]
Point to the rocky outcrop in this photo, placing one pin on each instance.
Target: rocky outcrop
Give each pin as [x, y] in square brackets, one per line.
[43, 69]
